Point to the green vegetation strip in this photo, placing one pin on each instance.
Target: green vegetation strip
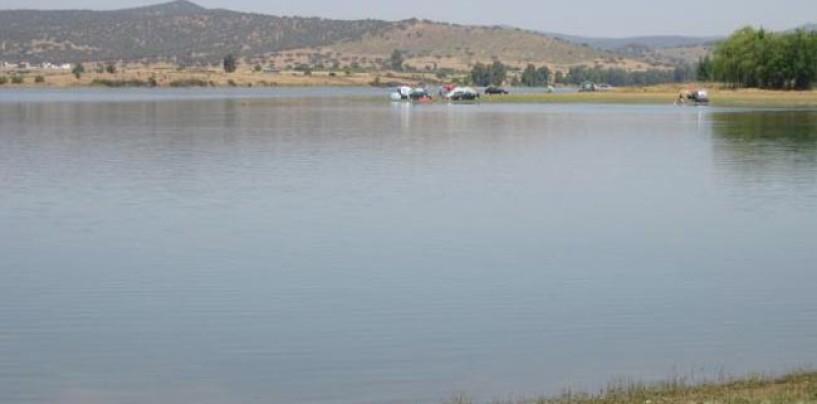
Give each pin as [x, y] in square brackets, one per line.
[799, 387]
[580, 98]
[768, 99]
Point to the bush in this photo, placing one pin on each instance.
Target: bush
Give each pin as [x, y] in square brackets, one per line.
[189, 83]
[3, 80]
[17, 79]
[231, 83]
[39, 79]
[119, 83]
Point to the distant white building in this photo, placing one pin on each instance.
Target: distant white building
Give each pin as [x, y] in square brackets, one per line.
[55, 66]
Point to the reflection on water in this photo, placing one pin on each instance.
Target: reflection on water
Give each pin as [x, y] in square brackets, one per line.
[326, 249]
[770, 155]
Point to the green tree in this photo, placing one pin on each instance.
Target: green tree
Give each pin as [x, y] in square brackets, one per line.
[78, 70]
[230, 63]
[703, 71]
[396, 61]
[498, 73]
[757, 58]
[481, 75]
[533, 77]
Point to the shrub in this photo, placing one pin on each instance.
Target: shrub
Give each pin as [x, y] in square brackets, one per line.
[119, 83]
[189, 83]
[16, 79]
[3, 80]
[39, 79]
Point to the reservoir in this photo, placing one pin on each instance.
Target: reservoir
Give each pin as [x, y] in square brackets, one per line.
[328, 246]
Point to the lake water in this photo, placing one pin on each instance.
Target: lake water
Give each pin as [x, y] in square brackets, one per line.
[326, 246]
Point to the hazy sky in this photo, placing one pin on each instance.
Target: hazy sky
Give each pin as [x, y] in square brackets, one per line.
[581, 17]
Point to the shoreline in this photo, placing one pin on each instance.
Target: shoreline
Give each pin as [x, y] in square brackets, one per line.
[175, 78]
[793, 387]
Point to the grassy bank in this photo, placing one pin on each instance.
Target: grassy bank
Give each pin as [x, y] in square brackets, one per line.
[799, 387]
[668, 95]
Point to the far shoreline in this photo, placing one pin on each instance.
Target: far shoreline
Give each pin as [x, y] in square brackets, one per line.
[213, 78]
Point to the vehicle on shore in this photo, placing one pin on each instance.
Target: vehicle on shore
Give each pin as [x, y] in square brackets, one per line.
[495, 90]
[406, 93]
[692, 97]
[589, 86]
[462, 94]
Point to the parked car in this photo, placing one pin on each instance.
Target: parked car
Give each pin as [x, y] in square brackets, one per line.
[496, 90]
[462, 94]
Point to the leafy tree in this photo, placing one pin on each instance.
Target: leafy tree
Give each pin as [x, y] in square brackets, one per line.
[756, 58]
[533, 77]
[230, 64]
[704, 69]
[483, 75]
[498, 73]
[78, 70]
[396, 61]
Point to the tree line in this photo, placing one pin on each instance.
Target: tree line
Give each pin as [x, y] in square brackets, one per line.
[497, 73]
[759, 58]
[621, 77]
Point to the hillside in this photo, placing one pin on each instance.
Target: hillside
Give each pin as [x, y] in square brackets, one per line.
[653, 42]
[427, 45]
[180, 31]
[187, 34]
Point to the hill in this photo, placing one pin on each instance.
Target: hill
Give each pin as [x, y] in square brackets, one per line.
[428, 45]
[180, 31]
[653, 42]
[188, 34]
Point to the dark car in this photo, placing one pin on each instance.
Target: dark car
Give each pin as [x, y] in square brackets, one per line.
[495, 90]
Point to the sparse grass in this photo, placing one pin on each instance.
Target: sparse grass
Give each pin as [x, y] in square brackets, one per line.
[797, 387]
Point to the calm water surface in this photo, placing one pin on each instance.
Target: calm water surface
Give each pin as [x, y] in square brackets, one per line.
[323, 246]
